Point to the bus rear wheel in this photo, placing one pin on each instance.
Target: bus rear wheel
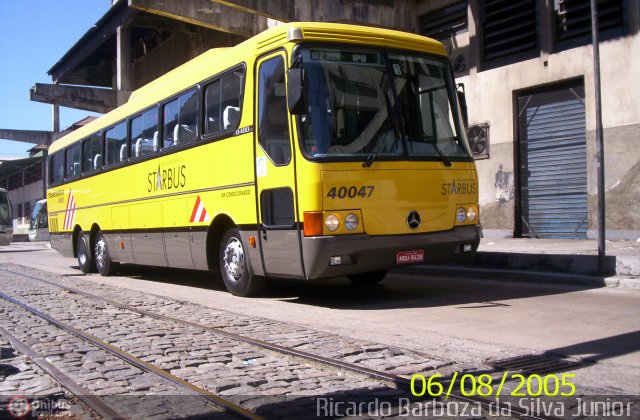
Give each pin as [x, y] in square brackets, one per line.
[235, 268]
[368, 279]
[85, 257]
[106, 267]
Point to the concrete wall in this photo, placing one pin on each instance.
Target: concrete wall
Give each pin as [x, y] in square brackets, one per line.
[491, 97]
[176, 50]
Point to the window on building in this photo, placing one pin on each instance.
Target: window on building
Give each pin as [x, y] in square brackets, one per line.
[93, 153]
[222, 103]
[444, 23]
[181, 119]
[116, 144]
[73, 160]
[509, 29]
[573, 21]
[144, 133]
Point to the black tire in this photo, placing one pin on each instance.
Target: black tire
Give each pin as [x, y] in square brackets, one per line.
[235, 269]
[106, 267]
[368, 279]
[85, 256]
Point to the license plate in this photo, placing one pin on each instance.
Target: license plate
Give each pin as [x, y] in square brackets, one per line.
[408, 257]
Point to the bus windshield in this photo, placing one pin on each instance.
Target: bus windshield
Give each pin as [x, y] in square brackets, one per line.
[368, 104]
[39, 217]
[5, 210]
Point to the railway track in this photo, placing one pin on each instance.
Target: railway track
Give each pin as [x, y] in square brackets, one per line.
[393, 380]
[95, 403]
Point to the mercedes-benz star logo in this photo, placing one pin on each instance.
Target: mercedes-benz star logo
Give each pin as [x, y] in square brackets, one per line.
[414, 220]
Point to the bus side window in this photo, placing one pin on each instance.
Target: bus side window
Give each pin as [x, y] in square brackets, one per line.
[144, 133]
[73, 155]
[92, 148]
[56, 168]
[180, 119]
[115, 138]
[222, 103]
[212, 103]
[273, 128]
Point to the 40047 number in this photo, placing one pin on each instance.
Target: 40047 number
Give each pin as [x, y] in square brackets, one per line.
[351, 192]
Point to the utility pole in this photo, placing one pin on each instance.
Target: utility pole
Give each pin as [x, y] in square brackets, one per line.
[599, 138]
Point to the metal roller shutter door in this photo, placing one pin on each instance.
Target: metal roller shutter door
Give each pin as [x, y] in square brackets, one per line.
[553, 157]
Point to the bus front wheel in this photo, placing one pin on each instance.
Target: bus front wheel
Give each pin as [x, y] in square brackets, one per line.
[235, 268]
[368, 279]
[105, 266]
[85, 258]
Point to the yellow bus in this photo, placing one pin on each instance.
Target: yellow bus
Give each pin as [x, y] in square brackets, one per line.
[312, 150]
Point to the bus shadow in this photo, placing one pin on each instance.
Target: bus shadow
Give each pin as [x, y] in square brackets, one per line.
[397, 291]
[177, 276]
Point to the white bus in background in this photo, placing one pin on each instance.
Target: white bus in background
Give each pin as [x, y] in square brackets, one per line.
[6, 221]
[39, 224]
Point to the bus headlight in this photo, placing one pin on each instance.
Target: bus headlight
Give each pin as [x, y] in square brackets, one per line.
[332, 222]
[461, 214]
[351, 221]
[472, 213]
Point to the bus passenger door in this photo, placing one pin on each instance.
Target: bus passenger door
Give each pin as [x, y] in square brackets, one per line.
[275, 175]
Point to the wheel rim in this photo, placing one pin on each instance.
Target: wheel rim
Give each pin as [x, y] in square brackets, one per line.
[100, 252]
[233, 259]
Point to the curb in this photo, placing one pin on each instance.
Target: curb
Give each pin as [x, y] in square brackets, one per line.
[528, 276]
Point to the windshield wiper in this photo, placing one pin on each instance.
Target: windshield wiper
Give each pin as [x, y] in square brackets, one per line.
[382, 136]
[434, 142]
[445, 159]
[368, 161]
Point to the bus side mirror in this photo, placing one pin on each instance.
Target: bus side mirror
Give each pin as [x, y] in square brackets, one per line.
[462, 100]
[297, 92]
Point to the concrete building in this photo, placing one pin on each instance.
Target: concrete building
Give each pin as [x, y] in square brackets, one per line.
[526, 65]
[24, 178]
[528, 70]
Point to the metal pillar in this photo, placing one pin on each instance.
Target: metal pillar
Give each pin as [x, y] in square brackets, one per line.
[599, 138]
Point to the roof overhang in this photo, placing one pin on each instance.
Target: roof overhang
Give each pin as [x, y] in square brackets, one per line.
[85, 62]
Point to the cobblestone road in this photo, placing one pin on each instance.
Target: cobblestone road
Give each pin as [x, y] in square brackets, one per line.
[255, 378]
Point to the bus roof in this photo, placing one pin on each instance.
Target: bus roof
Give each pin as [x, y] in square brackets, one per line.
[218, 60]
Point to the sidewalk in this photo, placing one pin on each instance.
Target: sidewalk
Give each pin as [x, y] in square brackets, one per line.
[561, 255]
[552, 260]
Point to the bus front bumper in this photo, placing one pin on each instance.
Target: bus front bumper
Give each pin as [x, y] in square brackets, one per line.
[363, 253]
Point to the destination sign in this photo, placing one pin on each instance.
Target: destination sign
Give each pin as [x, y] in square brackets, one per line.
[345, 56]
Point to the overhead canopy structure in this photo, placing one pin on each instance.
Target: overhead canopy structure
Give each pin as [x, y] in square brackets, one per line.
[137, 41]
[17, 173]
